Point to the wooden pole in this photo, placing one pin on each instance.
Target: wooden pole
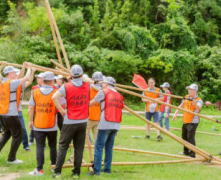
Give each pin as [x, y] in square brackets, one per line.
[89, 149]
[171, 128]
[58, 33]
[90, 168]
[140, 163]
[195, 149]
[54, 38]
[170, 105]
[60, 66]
[145, 90]
[146, 152]
[39, 68]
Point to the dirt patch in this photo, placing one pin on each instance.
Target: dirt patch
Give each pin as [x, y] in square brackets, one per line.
[9, 176]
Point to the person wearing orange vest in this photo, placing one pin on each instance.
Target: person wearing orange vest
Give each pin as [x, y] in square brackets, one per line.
[43, 111]
[165, 110]
[77, 95]
[152, 108]
[94, 111]
[9, 111]
[190, 122]
[39, 78]
[110, 119]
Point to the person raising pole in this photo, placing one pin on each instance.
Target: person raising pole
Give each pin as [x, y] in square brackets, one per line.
[152, 108]
[9, 111]
[77, 95]
[192, 102]
[110, 119]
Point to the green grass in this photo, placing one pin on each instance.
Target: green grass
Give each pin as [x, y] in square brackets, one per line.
[124, 139]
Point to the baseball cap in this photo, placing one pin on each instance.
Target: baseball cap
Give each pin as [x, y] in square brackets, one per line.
[166, 84]
[59, 77]
[97, 76]
[48, 76]
[9, 69]
[109, 80]
[76, 70]
[17, 71]
[41, 75]
[193, 86]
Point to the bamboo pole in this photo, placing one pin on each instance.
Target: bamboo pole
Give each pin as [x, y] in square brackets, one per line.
[89, 148]
[195, 149]
[170, 105]
[140, 163]
[145, 90]
[90, 168]
[145, 152]
[51, 15]
[171, 128]
[60, 66]
[55, 39]
[39, 68]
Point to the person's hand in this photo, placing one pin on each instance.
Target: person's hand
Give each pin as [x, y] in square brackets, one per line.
[63, 112]
[174, 117]
[25, 64]
[33, 69]
[29, 65]
[31, 124]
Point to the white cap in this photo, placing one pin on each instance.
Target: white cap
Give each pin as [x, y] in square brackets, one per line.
[109, 80]
[9, 69]
[76, 70]
[48, 76]
[41, 75]
[193, 86]
[97, 76]
[58, 77]
[166, 84]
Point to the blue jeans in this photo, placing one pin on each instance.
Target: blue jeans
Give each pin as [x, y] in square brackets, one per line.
[105, 138]
[166, 120]
[0, 125]
[24, 131]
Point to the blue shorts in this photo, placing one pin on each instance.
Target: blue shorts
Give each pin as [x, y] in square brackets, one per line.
[155, 116]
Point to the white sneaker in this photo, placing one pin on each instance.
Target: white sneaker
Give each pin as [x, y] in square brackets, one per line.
[15, 162]
[35, 172]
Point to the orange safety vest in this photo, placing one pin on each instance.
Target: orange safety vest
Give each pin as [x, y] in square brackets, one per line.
[4, 97]
[113, 106]
[187, 117]
[18, 93]
[154, 96]
[94, 111]
[45, 110]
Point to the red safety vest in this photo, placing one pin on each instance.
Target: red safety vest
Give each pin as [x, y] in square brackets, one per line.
[35, 87]
[162, 106]
[113, 106]
[78, 99]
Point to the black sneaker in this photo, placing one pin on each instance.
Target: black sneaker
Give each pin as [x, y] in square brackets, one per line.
[75, 176]
[159, 138]
[56, 176]
[147, 137]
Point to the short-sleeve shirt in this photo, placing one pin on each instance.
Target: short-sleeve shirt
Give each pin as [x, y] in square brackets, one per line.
[13, 110]
[103, 124]
[44, 90]
[195, 118]
[78, 83]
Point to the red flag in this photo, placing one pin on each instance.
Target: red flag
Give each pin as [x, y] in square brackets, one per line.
[139, 81]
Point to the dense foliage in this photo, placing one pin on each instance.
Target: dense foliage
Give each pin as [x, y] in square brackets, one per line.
[171, 40]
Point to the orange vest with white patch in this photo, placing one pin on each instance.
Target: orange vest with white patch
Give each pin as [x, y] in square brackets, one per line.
[154, 96]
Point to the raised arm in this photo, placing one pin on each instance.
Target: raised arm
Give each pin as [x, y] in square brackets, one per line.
[22, 72]
[31, 78]
[28, 74]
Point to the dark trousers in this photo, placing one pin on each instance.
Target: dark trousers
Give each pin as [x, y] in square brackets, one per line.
[12, 127]
[188, 134]
[60, 120]
[69, 133]
[40, 137]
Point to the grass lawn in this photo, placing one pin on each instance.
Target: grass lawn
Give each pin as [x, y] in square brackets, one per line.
[124, 139]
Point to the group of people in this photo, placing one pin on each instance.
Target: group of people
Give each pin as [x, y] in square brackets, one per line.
[77, 107]
[191, 102]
